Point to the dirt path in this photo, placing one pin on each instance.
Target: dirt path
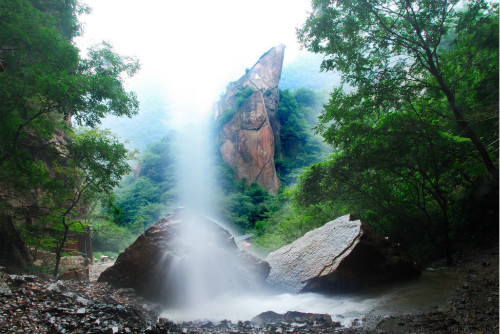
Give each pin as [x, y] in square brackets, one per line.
[98, 267]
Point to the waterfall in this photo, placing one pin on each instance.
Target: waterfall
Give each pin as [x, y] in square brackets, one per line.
[202, 281]
[203, 269]
[194, 153]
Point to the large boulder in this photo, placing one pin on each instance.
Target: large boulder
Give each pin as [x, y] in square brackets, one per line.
[184, 259]
[250, 130]
[341, 256]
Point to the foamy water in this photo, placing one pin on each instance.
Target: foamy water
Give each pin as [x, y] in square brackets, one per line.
[432, 288]
[245, 307]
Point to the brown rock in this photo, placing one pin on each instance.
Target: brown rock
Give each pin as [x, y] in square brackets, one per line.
[163, 262]
[76, 274]
[249, 138]
[249, 144]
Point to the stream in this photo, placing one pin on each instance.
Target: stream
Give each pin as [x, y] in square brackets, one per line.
[433, 287]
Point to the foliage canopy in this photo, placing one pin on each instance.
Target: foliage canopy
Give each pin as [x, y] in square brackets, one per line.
[393, 51]
[50, 171]
[414, 128]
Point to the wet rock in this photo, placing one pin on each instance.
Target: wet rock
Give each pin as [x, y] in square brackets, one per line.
[267, 318]
[58, 286]
[75, 274]
[157, 264]
[254, 269]
[82, 301]
[4, 288]
[13, 252]
[342, 255]
[295, 317]
[29, 309]
[37, 306]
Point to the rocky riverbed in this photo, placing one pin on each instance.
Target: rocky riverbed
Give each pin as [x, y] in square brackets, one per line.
[31, 304]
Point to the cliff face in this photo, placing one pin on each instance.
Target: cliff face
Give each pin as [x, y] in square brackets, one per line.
[250, 130]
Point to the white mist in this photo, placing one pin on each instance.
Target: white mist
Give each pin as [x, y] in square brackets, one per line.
[202, 270]
[194, 149]
[204, 284]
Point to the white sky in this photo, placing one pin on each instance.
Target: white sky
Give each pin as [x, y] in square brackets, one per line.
[194, 48]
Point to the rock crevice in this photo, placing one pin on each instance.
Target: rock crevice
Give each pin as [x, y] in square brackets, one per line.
[250, 136]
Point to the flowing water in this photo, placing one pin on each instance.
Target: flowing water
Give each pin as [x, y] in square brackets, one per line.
[433, 287]
[203, 283]
[203, 266]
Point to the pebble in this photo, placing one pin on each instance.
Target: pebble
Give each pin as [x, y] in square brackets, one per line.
[29, 304]
[37, 306]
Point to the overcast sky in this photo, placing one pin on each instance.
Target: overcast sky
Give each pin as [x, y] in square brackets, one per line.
[194, 48]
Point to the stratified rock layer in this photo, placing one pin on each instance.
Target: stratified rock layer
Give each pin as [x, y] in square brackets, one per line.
[341, 256]
[183, 258]
[248, 139]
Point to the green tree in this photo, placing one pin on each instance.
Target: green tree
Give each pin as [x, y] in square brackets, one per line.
[300, 147]
[45, 85]
[408, 130]
[401, 172]
[94, 165]
[44, 75]
[152, 190]
[389, 50]
[46, 89]
[243, 209]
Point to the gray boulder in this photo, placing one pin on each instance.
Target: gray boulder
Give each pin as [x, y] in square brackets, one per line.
[341, 256]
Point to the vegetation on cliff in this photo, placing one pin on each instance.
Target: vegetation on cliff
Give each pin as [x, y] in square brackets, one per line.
[241, 95]
[51, 170]
[300, 147]
[146, 196]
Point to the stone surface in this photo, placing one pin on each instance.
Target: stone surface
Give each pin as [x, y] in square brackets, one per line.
[270, 317]
[13, 252]
[248, 140]
[341, 256]
[32, 305]
[75, 274]
[173, 263]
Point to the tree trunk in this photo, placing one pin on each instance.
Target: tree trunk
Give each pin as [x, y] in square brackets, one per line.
[60, 247]
[446, 232]
[460, 119]
[447, 244]
[485, 156]
[13, 252]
